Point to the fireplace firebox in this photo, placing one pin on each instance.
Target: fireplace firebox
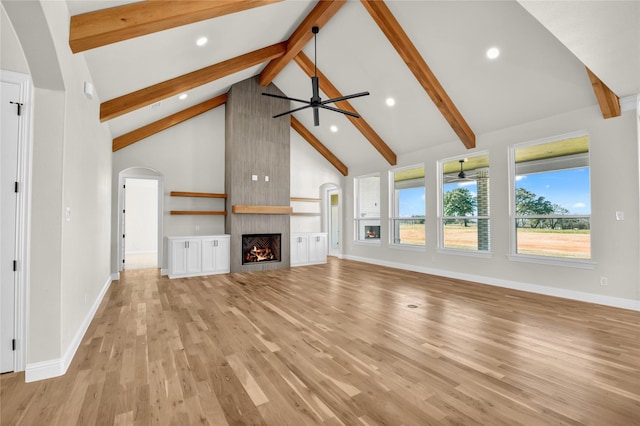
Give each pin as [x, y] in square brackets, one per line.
[258, 248]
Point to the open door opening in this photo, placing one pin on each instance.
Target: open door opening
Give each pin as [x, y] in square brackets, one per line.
[140, 219]
[333, 223]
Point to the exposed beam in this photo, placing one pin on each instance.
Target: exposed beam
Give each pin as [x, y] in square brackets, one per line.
[323, 150]
[408, 52]
[320, 15]
[103, 27]
[163, 124]
[149, 95]
[330, 90]
[608, 101]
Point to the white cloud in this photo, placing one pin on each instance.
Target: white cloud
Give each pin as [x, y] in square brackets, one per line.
[466, 183]
[519, 178]
[579, 205]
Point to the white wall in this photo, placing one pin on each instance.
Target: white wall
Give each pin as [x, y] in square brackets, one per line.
[614, 180]
[190, 158]
[69, 261]
[309, 170]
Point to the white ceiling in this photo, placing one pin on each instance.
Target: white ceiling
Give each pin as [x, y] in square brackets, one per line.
[538, 73]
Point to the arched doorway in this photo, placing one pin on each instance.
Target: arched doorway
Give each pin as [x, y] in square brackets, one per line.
[137, 225]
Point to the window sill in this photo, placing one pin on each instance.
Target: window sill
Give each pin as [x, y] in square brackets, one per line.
[470, 253]
[375, 243]
[408, 247]
[556, 261]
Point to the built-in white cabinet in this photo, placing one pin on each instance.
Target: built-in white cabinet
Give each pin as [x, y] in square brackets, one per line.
[198, 255]
[308, 248]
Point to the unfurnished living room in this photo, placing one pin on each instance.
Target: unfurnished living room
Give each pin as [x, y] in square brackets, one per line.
[364, 212]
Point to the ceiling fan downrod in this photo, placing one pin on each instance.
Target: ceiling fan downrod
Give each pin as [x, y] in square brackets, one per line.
[316, 101]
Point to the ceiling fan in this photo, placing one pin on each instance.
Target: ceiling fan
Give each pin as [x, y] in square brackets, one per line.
[316, 102]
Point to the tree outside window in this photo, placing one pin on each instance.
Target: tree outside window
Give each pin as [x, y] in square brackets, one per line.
[552, 201]
[464, 214]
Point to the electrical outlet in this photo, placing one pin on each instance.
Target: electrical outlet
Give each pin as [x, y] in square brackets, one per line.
[604, 281]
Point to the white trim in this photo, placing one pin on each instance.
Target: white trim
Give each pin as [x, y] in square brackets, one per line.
[59, 366]
[630, 103]
[408, 247]
[130, 173]
[471, 252]
[23, 223]
[164, 272]
[115, 277]
[554, 261]
[616, 302]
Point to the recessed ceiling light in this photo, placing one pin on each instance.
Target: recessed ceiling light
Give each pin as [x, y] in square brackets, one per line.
[183, 96]
[493, 52]
[202, 41]
[334, 128]
[390, 102]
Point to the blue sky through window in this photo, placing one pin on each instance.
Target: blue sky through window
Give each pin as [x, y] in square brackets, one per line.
[568, 188]
[411, 202]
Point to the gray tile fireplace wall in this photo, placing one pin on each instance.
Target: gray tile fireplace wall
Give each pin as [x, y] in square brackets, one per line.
[256, 145]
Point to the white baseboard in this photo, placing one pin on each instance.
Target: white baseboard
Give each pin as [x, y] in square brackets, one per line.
[616, 302]
[115, 276]
[57, 367]
[164, 271]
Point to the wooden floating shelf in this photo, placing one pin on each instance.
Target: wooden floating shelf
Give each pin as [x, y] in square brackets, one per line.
[306, 200]
[304, 214]
[197, 194]
[239, 209]
[199, 212]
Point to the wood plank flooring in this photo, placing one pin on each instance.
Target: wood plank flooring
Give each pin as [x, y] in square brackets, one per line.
[337, 344]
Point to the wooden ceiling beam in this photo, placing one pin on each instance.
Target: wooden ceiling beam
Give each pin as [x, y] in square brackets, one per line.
[408, 52]
[319, 16]
[609, 102]
[163, 124]
[107, 26]
[330, 90]
[323, 150]
[152, 94]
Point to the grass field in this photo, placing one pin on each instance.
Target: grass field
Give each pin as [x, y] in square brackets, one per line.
[542, 242]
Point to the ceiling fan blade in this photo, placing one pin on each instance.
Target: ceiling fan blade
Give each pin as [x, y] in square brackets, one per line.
[292, 111]
[285, 97]
[316, 117]
[344, 98]
[352, 114]
[314, 87]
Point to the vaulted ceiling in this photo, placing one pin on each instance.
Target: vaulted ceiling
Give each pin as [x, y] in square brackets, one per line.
[427, 55]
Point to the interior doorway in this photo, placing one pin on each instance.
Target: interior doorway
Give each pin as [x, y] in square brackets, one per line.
[140, 221]
[333, 221]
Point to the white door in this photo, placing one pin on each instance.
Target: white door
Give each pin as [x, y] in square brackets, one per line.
[194, 256]
[8, 209]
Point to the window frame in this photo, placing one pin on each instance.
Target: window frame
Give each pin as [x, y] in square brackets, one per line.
[394, 209]
[513, 216]
[442, 218]
[356, 211]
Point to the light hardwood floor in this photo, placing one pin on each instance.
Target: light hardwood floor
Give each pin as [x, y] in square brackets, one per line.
[337, 344]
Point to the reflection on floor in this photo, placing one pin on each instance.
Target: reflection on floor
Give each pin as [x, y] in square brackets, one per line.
[140, 260]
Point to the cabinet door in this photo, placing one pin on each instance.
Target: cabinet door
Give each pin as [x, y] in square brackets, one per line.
[209, 255]
[222, 255]
[194, 260]
[318, 248]
[215, 255]
[299, 249]
[178, 257]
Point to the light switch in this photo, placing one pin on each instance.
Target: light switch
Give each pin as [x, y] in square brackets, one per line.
[266, 178]
[619, 215]
[67, 214]
[254, 177]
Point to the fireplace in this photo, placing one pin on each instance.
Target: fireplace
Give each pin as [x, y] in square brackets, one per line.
[259, 248]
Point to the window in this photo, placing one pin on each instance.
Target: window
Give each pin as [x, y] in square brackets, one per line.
[551, 210]
[407, 206]
[367, 208]
[464, 204]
